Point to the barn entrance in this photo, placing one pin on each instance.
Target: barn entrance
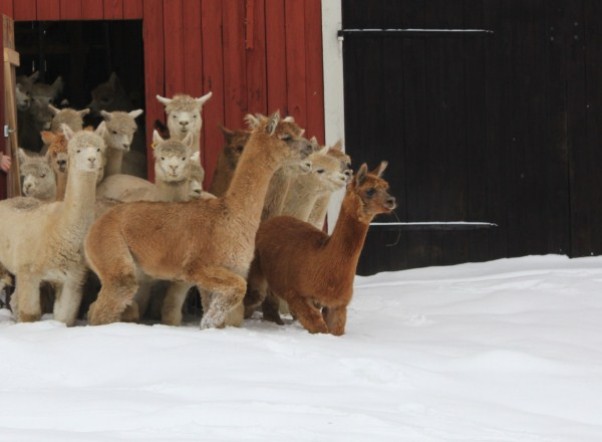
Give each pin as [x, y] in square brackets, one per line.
[85, 54]
[487, 111]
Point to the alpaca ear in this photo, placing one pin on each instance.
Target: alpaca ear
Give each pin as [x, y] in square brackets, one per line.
[164, 100]
[196, 156]
[273, 121]
[188, 140]
[338, 145]
[47, 136]
[360, 176]
[289, 119]
[324, 150]
[34, 77]
[252, 121]
[53, 109]
[315, 146]
[84, 112]
[67, 131]
[22, 155]
[100, 130]
[378, 170]
[106, 115]
[114, 80]
[135, 113]
[202, 100]
[57, 86]
[228, 134]
[157, 138]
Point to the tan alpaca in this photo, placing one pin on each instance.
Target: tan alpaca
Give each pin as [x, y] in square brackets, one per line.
[208, 243]
[43, 241]
[71, 117]
[58, 158]
[318, 213]
[318, 296]
[118, 129]
[173, 175]
[227, 160]
[37, 177]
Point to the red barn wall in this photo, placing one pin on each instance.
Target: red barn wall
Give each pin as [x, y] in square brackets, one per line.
[254, 55]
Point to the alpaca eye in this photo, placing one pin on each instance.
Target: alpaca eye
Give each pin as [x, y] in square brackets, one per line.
[183, 158]
[286, 137]
[98, 149]
[239, 148]
[114, 132]
[78, 150]
[194, 116]
[370, 192]
[320, 170]
[162, 158]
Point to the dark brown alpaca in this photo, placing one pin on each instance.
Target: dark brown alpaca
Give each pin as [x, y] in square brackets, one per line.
[312, 271]
[235, 141]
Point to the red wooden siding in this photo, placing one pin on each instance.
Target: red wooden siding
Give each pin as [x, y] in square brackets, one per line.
[254, 55]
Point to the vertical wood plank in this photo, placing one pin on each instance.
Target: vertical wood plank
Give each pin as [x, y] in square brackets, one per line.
[315, 77]
[92, 10]
[49, 10]
[235, 79]
[25, 10]
[256, 60]
[213, 67]
[276, 56]
[152, 29]
[6, 7]
[174, 52]
[113, 9]
[132, 9]
[193, 50]
[71, 9]
[296, 76]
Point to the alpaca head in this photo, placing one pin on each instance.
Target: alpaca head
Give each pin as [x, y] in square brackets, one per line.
[23, 97]
[71, 117]
[47, 93]
[86, 150]
[172, 157]
[37, 177]
[42, 115]
[235, 141]
[184, 114]
[337, 152]
[109, 96]
[118, 128]
[197, 175]
[284, 135]
[326, 171]
[56, 155]
[372, 191]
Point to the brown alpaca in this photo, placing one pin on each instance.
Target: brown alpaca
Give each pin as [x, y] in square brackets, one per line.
[58, 158]
[319, 294]
[228, 159]
[207, 243]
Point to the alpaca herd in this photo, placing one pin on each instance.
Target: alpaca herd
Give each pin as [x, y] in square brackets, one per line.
[252, 243]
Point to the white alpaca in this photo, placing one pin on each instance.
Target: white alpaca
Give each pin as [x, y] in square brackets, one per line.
[118, 129]
[37, 177]
[174, 180]
[44, 241]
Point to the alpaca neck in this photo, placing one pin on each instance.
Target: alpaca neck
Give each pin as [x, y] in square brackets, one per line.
[80, 194]
[349, 234]
[277, 190]
[251, 179]
[300, 198]
[318, 213]
[221, 177]
[114, 161]
[61, 185]
[172, 191]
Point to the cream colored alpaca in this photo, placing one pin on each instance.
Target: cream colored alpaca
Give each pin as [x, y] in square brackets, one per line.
[58, 158]
[318, 213]
[37, 177]
[304, 190]
[208, 243]
[71, 117]
[173, 175]
[118, 129]
[43, 241]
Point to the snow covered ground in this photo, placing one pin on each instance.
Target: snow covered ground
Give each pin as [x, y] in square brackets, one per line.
[509, 350]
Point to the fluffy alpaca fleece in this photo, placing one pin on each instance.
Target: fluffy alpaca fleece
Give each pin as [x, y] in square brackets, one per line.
[37, 177]
[71, 117]
[319, 294]
[118, 129]
[43, 241]
[227, 160]
[207, 243]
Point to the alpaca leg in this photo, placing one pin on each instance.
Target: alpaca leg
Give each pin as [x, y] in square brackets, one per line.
[256, 289]
[171, 312]
[27, 298]
[335, 319]
[136, 310]
[228, 290]
[270, 308]
[306, 312]
[68, 298]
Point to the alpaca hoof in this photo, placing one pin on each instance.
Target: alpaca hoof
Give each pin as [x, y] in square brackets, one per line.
[98, 316]
[131, 313]
[28, 317]
[174, 320]
[209, 321]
